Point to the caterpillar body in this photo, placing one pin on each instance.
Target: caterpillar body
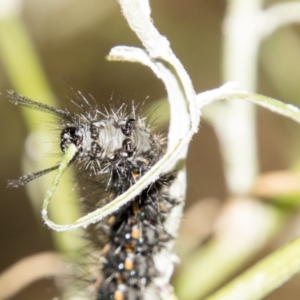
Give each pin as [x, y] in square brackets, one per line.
[115, 149]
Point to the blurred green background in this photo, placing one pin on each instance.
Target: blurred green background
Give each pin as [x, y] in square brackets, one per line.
[72, 38]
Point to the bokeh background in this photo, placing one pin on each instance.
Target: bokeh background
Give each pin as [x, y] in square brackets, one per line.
[71, 39]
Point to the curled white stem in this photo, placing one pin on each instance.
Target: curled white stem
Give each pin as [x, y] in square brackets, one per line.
[278, 15]
[10, 8]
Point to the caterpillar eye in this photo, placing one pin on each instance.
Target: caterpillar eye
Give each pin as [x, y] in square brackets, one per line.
[127, 147]
[128, 127]
[95, 150]
[71, 135]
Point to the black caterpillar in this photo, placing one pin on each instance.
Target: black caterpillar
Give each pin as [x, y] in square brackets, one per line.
[115, 149]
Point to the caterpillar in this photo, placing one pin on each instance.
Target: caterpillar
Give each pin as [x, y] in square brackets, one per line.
[115, 148]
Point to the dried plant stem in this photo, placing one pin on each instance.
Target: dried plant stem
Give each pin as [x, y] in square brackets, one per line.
[29, 270]
[239, 63]
[27, 77]
[278, 15]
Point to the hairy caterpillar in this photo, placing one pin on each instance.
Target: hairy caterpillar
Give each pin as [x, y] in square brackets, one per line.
[115, 148]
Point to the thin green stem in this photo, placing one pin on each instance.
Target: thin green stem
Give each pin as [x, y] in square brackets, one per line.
[264, 277]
